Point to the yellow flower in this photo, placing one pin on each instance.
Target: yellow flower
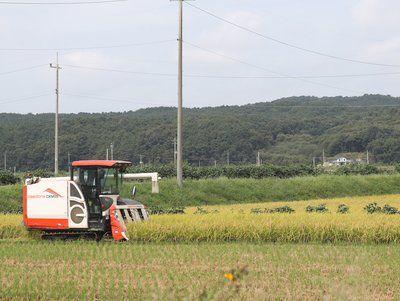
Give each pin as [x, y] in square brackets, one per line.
[229, 276]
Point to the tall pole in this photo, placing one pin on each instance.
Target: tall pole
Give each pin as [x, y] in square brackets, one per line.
[227, 158]
[107, 153]
[57, 67]
[5, 160]
[174, 150]
[323, 157]
[367, 157]
[112, 150]
[69, 162]
[179, 163]
[258, 159]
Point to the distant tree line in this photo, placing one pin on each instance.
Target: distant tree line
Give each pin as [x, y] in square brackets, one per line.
[285, 132]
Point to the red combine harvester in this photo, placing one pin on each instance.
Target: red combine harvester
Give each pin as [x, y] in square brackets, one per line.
[86, 204]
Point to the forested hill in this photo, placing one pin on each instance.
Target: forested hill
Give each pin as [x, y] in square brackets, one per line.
[290, 130]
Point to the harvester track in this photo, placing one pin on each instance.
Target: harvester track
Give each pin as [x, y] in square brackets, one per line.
[89, 235]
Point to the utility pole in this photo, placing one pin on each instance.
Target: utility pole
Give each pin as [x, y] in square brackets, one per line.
[57, 67]
[5, 160]
[258, 159]
[107, 153]
[175, 152]
[69, 162]
[179, 165]
[141, 160]
[323, 157]
[215, 163]
[313, 162]
[227, 158]
[367, 157]
[112, 150]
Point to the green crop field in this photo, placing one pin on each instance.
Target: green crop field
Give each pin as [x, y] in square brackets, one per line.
[32, 270]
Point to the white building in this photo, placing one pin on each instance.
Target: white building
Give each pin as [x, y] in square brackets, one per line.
[341, 161]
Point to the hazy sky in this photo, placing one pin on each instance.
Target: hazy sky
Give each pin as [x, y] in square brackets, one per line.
[365, 30]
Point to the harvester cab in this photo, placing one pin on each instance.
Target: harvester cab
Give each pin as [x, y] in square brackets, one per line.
[86, 203]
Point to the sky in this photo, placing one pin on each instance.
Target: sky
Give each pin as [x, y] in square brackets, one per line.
[135, 41]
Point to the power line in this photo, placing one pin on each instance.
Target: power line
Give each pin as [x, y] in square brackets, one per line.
[90, 47]
[294, 76]
[233, 76]
[269, 70]
[288, 44]
[22, 69]
[120, 71]
[125, 99]
[61, 3]
[12, 100]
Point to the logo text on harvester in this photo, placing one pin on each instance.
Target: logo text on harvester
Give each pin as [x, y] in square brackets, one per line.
[50, 194]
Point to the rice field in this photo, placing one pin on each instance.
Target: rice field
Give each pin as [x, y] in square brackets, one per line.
[82, 270]
[226, 223]
[224, 252]
[237, 223]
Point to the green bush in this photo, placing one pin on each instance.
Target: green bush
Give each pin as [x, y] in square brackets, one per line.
[229, 171]
[357, 169]
[372, 208]
[390, 210]
[7, 178]
[160, 210]
[251, 171]
[42, 173]
[343, 209]
[375, 208]
[283, 209]
[257, 210]
[318, 209]
[201, 210]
